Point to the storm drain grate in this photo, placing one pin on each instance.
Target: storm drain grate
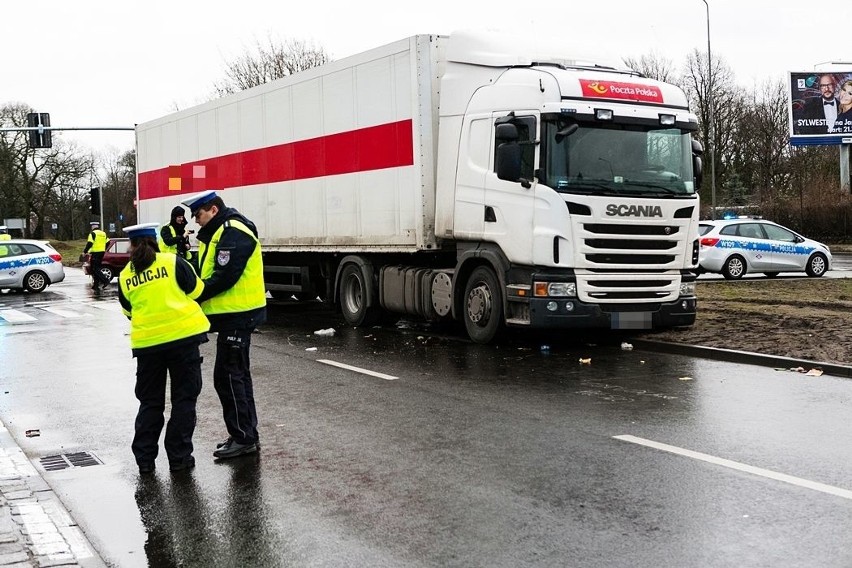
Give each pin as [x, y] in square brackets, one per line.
[64, 461]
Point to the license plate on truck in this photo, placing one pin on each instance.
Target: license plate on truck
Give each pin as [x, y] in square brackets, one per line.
[630, 320]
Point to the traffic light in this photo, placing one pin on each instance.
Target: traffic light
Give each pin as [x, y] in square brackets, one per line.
[39, 138]
[95, 200]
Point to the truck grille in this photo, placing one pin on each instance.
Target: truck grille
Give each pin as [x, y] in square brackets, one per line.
[628, 246]
[631, 262]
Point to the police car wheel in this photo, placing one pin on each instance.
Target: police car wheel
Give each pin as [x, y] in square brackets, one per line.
[817, 265]
[35, 282]
[735, 268]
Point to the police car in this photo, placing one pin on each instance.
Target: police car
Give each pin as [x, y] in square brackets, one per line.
[29, 265]
[734, 247]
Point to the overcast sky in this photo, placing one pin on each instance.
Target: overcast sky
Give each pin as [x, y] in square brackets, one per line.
[112, 63]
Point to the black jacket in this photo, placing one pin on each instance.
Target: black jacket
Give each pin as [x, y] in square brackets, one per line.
[180, 240]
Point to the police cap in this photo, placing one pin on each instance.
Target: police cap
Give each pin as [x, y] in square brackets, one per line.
[197, 200]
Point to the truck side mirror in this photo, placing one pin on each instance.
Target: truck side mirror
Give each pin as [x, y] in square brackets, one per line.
[506, 132]
[697, 166]
[509, 161]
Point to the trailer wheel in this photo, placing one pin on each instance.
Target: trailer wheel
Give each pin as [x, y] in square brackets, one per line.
[483, 305]
[353, 298]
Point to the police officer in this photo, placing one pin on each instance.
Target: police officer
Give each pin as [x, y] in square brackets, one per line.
[157, 291]
[173, 236]
[4, 234]
[96, 246]
[234, 300]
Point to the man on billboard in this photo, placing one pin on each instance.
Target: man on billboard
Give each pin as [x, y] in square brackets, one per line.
[816, 114]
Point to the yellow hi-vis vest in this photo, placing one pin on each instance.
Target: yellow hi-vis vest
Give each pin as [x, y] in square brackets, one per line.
[162, 244]
[161, 311]
[99, 242]
[249, 292]
[5, 237]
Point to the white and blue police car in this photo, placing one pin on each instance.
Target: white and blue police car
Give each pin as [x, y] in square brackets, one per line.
[734, 247]
[29, 265]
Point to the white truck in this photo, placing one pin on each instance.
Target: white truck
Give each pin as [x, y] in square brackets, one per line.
[464, 176]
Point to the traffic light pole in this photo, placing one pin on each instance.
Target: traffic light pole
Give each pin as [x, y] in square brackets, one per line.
[101, 209]
[39, 136]
[44, 128]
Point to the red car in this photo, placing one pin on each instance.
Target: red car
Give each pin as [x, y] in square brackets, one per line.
[116, 257]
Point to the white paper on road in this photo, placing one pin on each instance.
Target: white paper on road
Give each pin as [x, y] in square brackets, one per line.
[806, 483]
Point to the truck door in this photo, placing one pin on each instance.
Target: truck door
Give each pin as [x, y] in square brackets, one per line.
[509, 206]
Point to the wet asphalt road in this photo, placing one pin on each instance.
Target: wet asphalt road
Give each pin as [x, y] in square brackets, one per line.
[462, 455]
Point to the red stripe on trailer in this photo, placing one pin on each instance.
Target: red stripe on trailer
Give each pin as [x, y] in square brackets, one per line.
[374, 148]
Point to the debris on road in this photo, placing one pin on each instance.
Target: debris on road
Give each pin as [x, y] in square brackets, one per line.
[325, 332]
[815, 372]
[626, 346]
[33, 433]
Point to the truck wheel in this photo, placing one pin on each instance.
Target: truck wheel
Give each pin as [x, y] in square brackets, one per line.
[483, 305]
[353, 298]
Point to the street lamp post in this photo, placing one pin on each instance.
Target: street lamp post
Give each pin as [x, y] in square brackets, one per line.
[710, 127]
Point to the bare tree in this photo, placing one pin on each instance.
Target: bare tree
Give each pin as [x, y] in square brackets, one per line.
[118, 185]
[760, 150]
[654, 66]
[33, 180]
[269, 61]
[728, 102]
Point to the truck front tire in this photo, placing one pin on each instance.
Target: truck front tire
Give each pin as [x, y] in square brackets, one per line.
[483, 305]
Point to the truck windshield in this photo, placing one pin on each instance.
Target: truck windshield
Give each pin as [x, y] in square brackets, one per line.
[617, 159]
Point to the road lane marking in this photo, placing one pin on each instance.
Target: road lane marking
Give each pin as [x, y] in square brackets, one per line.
[358, 369]
[63, 313]
[16, 316]
[806, 483]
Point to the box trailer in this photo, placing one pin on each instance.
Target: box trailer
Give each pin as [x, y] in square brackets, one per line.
[471, 176]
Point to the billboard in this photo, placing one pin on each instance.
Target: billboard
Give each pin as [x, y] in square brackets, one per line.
[821, 107]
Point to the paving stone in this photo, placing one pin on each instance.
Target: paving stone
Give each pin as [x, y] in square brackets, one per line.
[55, 560]
[17, 495]
[39, 528]
[37, 484]
[10, 547]
[50, 538]
[13, 557]
[50, 548]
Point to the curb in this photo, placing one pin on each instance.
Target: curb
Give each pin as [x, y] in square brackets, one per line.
[746, 357]
[35, 527]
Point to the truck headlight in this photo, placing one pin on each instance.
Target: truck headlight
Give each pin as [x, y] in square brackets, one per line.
[558, 289]
[687, 288]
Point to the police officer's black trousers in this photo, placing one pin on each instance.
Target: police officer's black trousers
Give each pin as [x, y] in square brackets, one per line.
[232, 379]
[96, 259]
[183, 364]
